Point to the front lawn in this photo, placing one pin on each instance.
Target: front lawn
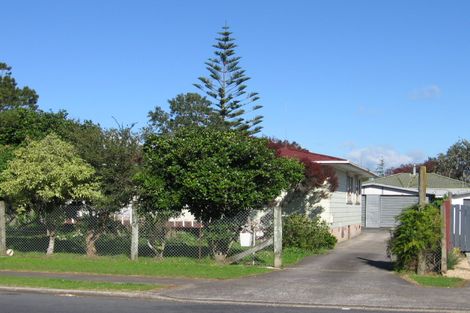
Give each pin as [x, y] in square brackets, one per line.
[57, 283]
[120, 265]
[145, 266]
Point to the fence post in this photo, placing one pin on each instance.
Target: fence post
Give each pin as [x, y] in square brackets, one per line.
[444, 233]
[421, 268]
[3, 237]
[277, 236]
[135, 233]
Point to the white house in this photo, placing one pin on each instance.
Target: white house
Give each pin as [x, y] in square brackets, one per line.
[341, 209]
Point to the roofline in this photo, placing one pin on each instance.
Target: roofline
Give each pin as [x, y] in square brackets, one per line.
[414, 190]
[348, 163]
[429, 191]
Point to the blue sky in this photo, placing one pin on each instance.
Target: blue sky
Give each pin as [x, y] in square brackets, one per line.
[354, 79]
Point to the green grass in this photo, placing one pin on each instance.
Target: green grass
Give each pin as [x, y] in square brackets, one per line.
[57, 283]
[437, 281]
[290, 256]
[121, 265]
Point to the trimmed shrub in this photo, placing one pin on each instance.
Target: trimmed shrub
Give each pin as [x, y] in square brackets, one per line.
[299, 231]
[417, 231]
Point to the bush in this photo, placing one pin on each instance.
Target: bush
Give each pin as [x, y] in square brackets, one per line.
[299, 231]
[453, 258]
[417, 231]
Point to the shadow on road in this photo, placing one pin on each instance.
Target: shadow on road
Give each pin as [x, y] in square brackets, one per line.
[383, 265]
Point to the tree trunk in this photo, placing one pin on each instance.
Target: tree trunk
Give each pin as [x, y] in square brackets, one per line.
[52, 235]
[91, 239]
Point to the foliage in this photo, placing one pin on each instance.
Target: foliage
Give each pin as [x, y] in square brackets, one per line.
[44, 176]
[17, 125]
[304, 233]
[226, 86]
[318, 182]
[190, 109]
[214, 173]
[453, 258]
[456, 162]
[418, 231]
[430, 163]
[11, 96]
[221, 234]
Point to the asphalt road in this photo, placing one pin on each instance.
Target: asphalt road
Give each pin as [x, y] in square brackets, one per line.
[13, 302]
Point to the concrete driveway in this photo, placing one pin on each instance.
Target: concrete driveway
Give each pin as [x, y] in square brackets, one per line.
[356, 274]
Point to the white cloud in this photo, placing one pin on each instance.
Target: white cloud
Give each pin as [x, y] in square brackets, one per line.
[427, 92]
[370, 157]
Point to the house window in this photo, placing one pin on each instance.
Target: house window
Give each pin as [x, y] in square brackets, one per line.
[350, 189]
[358, 190]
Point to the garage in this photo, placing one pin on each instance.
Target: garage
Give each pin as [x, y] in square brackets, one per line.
[380, 211]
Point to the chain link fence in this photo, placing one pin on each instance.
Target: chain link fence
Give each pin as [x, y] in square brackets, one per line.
[84, 230]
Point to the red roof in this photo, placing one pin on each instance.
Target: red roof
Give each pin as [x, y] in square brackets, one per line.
[298, 154]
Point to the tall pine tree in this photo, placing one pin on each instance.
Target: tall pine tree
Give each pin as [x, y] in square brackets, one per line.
[226, 87]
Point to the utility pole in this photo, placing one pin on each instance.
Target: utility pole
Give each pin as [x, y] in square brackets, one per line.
[421, 269]
[277, 236]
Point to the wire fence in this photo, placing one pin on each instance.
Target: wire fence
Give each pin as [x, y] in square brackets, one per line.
[84, 230]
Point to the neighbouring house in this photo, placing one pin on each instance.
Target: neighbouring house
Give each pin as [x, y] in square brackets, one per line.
[384, 198]
[340, 209]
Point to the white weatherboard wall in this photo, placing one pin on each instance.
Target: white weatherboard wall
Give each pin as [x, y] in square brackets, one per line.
[344, 219]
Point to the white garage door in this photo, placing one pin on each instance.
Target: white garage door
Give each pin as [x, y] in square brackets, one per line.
[392, 206]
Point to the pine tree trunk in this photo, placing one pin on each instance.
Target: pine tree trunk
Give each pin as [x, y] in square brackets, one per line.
[52, 235]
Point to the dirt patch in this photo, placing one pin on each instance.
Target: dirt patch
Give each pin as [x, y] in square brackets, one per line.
[461, 270]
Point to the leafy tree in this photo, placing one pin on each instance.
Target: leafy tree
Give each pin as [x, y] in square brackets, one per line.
[19, 124]
[226, 87]
[215, 174]
[456, 162]
[318, 182]
[11, 96]
[190, 109]
[44, 176]
[115, 155]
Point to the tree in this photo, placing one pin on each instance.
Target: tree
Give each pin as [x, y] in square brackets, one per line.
[430, 163]
[11, 96]
[226, 87]
[456, 162]
[318, 182]
[380, 170]
[115, 155]
[44, 176]
[190, 109]
[216, 174]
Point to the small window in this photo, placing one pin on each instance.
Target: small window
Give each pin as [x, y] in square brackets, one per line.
[350, 189]
[358, 190]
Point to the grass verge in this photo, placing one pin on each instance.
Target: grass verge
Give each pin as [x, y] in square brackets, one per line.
[436, 281]
[57, 283]
[121, 265]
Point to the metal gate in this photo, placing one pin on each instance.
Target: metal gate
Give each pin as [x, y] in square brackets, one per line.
[460, 227]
